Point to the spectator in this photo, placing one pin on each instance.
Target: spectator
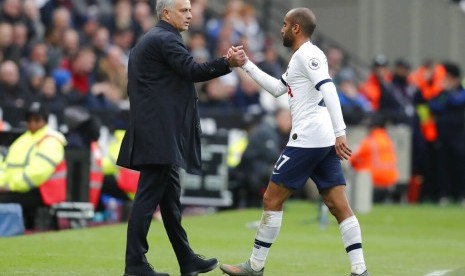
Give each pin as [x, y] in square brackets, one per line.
[36, 29]
[33, 173]
[103, 96]
[101, 9]
[404, 90]
[197, 45]
[354, 105]
[34, 67]
[124, 38]
[70, 45]
[7, 49]
[449, 109]
[100, 43]
[265, 143]
[273, 65]
[53, 39]
[379, 92]
[246, 98]
[47, 11]
[122, 16]
[20, 38]
[81, 69]
[250, 29]
[112, 68]
[201, 15]
[215, 96]
[337, 65]
[88, 30]
[429, 80]
[13, 92]
[61, 20]
[143, 19]
[222, 30]
[11, 12]
[63, 81]
[376, 154]
[50, 98]
[35, 75]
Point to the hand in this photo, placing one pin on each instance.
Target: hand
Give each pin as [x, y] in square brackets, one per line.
[342, 150]
[4, 187]
[236, 56]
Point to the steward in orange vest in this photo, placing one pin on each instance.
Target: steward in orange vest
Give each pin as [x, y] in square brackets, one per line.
[429, 79]
[377, 155]
[377, 82]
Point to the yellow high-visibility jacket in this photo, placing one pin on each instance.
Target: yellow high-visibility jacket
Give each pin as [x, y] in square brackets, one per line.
[32, 160]
[126, 179]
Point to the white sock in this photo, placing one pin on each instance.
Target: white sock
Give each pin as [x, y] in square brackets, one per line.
[267, 232]
[352, 239]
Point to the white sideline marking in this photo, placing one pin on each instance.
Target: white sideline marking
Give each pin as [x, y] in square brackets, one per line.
[438, 272]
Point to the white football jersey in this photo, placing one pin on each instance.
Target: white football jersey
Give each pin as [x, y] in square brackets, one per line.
[311, 122]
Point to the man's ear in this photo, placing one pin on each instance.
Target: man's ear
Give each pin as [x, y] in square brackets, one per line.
[166, 14]
[296, 28]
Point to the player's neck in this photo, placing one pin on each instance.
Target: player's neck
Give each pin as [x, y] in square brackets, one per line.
[299, 42]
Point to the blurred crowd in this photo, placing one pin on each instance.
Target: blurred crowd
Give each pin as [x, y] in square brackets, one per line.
[74, 53]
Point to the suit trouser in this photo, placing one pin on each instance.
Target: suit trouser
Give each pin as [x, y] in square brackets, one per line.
[158, 186]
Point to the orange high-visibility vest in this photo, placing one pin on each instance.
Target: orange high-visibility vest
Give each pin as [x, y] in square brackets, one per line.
[54, 189]
[371, 89]
[96, 174]
[127, 180]
[429, 88]
[429, 129]
[377, 155]
[427, 123]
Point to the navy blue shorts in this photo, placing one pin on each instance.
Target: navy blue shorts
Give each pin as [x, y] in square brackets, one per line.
[296, 165]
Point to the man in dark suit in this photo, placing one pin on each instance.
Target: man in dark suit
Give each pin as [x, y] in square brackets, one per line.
[164, 133]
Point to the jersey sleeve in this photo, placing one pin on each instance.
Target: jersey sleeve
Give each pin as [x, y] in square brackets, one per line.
[316, 68]
[272, 85]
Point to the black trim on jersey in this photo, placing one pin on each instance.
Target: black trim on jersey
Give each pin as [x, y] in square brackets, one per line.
[318, 85]
[283, 81]
[353, 247]
[262, 244]
[322, 103]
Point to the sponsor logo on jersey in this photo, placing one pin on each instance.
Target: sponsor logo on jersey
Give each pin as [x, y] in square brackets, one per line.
[314, 63]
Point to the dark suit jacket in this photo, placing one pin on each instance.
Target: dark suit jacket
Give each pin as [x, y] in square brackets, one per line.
[164, 122]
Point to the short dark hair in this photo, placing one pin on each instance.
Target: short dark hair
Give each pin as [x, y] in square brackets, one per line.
[452, 69]
[37, 109]
[305, 18]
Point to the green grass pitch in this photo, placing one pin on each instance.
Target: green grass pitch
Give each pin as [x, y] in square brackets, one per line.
[398, 240]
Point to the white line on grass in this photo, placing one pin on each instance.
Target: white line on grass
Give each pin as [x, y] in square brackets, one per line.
[438, 272]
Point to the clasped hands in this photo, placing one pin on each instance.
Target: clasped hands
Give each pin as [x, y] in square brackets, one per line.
[236, 56]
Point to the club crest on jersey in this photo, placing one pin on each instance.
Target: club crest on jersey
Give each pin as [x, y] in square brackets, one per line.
[314, 63]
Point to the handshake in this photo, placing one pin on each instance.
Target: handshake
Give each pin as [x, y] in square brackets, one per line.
[236, 56]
